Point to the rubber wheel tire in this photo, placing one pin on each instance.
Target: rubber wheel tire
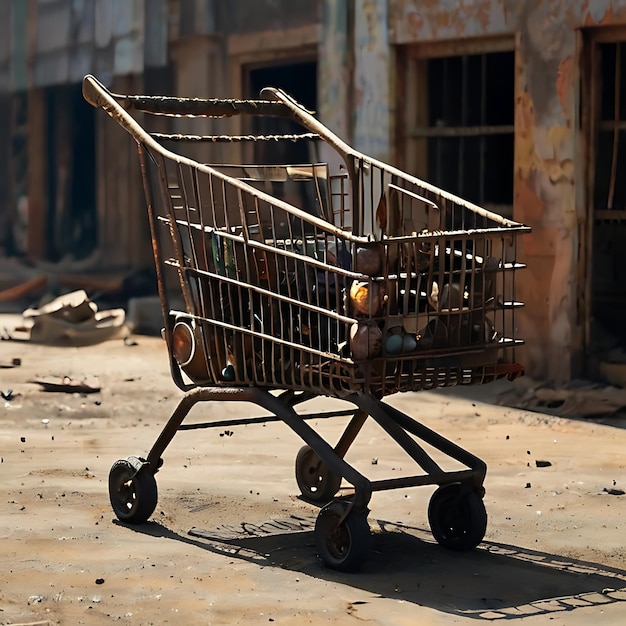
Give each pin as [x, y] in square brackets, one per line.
[342, 546]
[457, 520]
[133, 493]
[316, 482]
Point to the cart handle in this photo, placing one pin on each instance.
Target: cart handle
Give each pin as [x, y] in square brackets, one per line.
[351, 155]
[100, 97]
[187, 107]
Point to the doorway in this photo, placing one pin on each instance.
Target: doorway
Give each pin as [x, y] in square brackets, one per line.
[606, 240]
[71, 219]
[299, 80]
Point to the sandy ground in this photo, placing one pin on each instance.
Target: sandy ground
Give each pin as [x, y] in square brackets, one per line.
[553, 553]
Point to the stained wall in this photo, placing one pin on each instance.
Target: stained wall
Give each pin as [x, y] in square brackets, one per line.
[551, 158]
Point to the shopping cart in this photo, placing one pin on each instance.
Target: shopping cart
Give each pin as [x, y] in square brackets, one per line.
[336, 276]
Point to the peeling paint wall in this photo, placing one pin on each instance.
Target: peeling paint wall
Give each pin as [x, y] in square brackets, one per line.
[335, 51]
[372, 85]
[548, 187]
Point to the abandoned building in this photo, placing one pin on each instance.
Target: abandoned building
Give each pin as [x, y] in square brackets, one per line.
[517, 105]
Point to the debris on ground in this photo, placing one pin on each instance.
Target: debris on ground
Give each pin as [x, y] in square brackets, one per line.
[13, 363]
[74, 320]
[69, 385]
[579, 399]
[539, 463]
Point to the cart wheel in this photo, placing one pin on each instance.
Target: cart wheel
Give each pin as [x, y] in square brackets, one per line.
[342, 546]
[133, 492]
[457, 520]
[316, 482]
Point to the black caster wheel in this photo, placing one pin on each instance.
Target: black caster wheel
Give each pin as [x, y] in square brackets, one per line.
[342, 545]
[316, 482]
[132, 491]
[458, 520]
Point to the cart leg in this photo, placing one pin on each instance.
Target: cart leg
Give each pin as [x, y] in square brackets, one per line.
[336, 464]
[478, 466]
[350, 433]
[188, 401]
[316, 482]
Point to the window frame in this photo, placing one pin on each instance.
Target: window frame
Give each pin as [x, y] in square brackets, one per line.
[414, 129]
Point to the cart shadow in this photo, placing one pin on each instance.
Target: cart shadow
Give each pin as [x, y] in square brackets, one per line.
[493, 582]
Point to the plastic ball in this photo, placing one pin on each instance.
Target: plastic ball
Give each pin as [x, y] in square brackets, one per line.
[409, 343]
[393, 343]
[228, 373]
[368, 261]
[365, 341]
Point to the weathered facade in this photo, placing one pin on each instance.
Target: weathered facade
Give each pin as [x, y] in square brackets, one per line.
[567, 159]
[519, 105]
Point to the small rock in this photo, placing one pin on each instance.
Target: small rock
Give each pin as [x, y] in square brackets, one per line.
[614, 492]
[23, 439]
[374, 461]
[99, 581]
[528, 486]
[539, 463]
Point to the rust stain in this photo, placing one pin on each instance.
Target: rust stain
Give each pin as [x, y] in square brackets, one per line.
[564, 83]
[526, 158]
[531, 205]
[525, 155]
[415, 23]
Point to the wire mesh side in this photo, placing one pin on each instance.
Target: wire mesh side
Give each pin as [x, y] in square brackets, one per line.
[276, 300]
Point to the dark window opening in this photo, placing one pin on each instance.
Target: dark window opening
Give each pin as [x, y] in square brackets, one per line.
[610, 150]
[71, 222]
[608, 197]
[469, 129]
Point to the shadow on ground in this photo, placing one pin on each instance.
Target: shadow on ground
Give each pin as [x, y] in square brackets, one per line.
[493, 582]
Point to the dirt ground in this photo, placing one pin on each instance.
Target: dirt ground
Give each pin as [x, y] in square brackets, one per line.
[554, 551]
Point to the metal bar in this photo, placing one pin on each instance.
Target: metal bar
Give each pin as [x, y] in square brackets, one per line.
[232, 138]
[392, 427]
[262, 420]
[335, 464]
[443, 478]
[610, 214]
[352, 430]
[440, 443]
[611, 125]
[483, 114]
[618, 56]
[199, 107]
[187, 402]
[460, 131]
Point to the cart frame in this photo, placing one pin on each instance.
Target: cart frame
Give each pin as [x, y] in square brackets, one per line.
[272, 312]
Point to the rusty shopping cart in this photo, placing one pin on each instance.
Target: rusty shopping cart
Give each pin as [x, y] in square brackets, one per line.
[334, 276]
